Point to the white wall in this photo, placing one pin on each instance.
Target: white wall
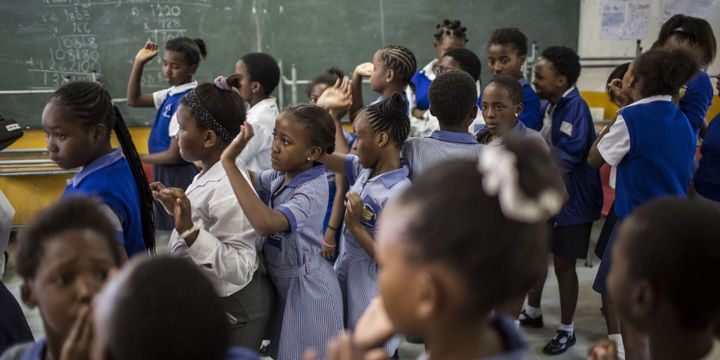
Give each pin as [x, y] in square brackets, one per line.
[591, 44]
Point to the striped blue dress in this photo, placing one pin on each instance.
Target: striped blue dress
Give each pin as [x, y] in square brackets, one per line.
[357, 271]
[421, 154]
[309, 302]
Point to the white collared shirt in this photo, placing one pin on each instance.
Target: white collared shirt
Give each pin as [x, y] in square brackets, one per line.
[546, 130]
[159, 97]
[225, 246]
[262, 116]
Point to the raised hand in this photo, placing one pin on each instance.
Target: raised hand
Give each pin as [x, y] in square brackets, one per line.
[167, 202]
[336, 97]
[364, 69]
[232, 151]
[147, 53]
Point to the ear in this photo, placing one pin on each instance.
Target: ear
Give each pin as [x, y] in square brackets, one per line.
[100, 133]
[193, 69]
[210, 139]
[519, 109]
[522, 58]
[471, 116]
[428, 297]
[314, 154]
[382, 139]
[28, 295]
[643, 300]
[561, 81]
[255, 87]
[435, 43]
[389, 75]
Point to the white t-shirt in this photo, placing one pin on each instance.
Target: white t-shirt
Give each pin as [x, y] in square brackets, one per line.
[262, 116]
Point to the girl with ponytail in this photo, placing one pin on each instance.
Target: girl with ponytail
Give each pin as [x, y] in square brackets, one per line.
[375, 175]
[78, 121]
[651, 143]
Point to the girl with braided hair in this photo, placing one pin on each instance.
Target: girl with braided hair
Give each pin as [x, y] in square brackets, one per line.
[376, 175]
[390, 71]
[78, 121]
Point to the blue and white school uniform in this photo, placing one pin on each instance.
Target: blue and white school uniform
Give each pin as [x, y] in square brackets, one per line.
[651, 143]
[357, 271]
[309, 302]
[515, 346]
[531, 115]
[695, 100]
[421, 154]
[262, 116]
[568, 127]
[164, 128]
[707, 175]
[110, 178]
[422, 80]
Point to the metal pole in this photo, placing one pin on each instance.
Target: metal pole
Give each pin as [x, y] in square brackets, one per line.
[293, 78]
[281, 90]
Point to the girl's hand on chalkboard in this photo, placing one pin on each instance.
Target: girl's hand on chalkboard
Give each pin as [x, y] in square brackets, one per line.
[147, 53]
[364, 70]
[236, 146]
[337, 97]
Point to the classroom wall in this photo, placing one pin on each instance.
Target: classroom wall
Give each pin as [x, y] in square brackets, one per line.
[591, 44]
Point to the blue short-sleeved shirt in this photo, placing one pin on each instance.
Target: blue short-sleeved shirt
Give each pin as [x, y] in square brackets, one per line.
[374, 192]
[420, 154]
[303, 202]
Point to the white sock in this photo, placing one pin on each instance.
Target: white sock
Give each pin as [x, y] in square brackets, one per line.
[617, 338]
[532, 311]
[569, 328]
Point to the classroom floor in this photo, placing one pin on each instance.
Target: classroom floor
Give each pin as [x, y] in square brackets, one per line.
[589, 323]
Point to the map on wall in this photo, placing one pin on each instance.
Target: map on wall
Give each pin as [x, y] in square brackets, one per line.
[625, 19]
[696, 8]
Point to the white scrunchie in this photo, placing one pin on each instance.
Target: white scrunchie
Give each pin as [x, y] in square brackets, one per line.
[500, 178]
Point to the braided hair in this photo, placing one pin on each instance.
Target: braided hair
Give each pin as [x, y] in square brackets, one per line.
[319, 124]
[91, 105]
[452, 28]
[390, 116]
[401, 60]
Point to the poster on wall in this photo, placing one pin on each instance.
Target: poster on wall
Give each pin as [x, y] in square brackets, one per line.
[696, 8]
[624, 19]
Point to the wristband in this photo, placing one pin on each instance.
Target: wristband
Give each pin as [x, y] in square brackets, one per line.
[329, 245]
[197, 225]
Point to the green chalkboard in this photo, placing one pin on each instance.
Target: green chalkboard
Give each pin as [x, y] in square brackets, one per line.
[48, 42]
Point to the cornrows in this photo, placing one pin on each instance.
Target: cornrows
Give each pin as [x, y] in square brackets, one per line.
[390, 115]
[401, 60]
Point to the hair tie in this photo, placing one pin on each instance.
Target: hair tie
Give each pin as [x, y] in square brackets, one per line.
[222, 84]
[206, 119]
[500, 177]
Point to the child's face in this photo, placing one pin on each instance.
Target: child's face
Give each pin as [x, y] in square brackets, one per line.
[72, 269]
[379, 78]
[446, 43]
[398, 281]
[316, 91]
[366, 141]
[245, 81]
[547, 80]
[445, 64]
[503, 59]
[291, 147]
[175, 69]
[70, 145]
[498, 109]
[191, 139]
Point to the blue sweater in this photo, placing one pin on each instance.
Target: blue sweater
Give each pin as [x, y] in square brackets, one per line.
[660, 159]
[707, 176]
[110, 178]
[159, 139]
[695, 100]
[573, 134]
